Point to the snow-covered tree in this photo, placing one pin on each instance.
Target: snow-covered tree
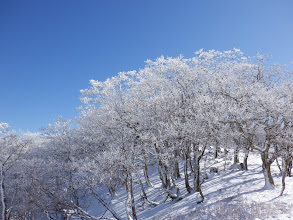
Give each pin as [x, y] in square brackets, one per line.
[12, 149]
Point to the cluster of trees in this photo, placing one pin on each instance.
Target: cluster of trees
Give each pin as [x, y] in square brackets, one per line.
[167, 115]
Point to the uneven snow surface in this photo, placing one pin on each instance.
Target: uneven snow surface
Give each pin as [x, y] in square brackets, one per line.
[230, 194]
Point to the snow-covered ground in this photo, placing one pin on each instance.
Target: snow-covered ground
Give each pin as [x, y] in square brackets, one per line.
[230, 194]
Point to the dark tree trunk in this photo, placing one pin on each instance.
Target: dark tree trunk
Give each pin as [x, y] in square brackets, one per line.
[146, 173]
[176, 171]
[197, 183]
[190, 163]
[245, 165]
[236, 153]
[164, 175]
[289, 167]
[188, 188]
[196, 174]
[216, 152]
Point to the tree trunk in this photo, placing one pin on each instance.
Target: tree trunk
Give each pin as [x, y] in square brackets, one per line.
[167, 176]
[190, 163]
[177, 172]
[202, 196]
[146, 173]
[245, 166]
[72, 189]
[176, 166]
[196, 181]
[3, 198]
[266, 168]
[197, 157]
[164, 175]
[281, 171]
[131, 210]
[128, 201]
[216, 152]
[132, 199]
[236, 153]
[188, 188]
[289, 166]
[163, 170]
[284, 174]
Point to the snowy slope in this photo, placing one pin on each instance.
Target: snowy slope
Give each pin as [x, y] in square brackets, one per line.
[231, 194]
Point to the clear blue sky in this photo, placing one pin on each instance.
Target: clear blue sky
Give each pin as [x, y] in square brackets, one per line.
[50, 49]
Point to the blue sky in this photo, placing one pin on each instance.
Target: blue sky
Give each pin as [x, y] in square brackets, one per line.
[50, 49]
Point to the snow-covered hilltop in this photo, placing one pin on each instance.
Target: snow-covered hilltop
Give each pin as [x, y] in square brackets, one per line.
[182, 138]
